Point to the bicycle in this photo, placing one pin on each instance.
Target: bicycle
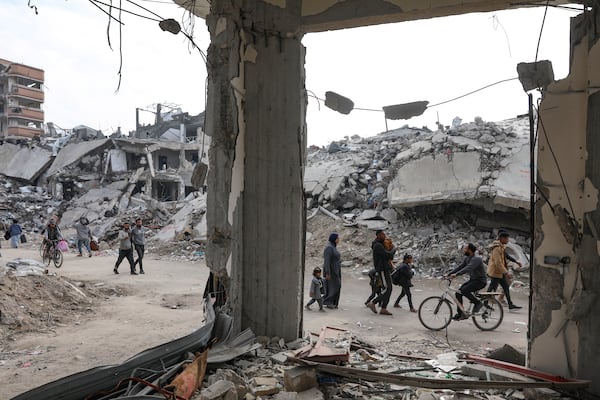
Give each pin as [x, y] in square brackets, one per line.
[52, 253]
[435, 312]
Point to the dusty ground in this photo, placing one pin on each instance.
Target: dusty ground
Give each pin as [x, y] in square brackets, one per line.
[59, 332]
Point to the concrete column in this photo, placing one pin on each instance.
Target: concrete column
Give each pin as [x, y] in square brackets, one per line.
[256, 119]
[564, 322]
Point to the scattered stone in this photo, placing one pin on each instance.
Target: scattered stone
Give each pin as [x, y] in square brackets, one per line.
[299, 379]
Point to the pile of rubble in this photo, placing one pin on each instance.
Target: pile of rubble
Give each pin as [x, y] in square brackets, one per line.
[481, 163]
[108, 181]
[343, 367]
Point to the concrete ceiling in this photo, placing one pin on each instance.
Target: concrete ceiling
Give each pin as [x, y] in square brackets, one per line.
[322, 15]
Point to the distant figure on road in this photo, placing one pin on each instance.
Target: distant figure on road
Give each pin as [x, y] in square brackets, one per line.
[138, 239]
[472, 265]
[15, 233]
[316, 290]
[332, 269]
[498, 269]
[402, 277]
[84, 235]
[381, 262]
[125, 250]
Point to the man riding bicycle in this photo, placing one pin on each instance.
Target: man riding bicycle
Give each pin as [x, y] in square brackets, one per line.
[51, 235]
[472, 265]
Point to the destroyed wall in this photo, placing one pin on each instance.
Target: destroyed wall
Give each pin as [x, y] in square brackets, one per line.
[564, 323]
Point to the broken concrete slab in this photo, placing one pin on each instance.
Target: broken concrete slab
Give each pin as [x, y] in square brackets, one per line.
[191, 215]
[435, 180]
[23, 162]
[73, 152]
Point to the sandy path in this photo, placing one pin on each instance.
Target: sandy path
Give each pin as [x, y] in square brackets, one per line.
[122, 326]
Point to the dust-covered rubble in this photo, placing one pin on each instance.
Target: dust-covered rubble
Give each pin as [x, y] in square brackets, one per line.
[262, 374]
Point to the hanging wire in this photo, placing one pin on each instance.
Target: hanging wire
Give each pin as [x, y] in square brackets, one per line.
[496, 23]
[145, 9]
[120, 48]
[121, 9]
[110, 17]
[562, 179]
[541, 30]
[436, 104]
[312, 94]
[472, 92]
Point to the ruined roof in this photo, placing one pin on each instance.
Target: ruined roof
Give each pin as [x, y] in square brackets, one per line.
[23, 162]
[73, 152]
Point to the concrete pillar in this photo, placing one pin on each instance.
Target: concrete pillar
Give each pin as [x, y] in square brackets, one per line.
[564, 322]
[256, 119]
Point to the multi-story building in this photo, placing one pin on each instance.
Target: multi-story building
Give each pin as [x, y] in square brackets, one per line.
[21, 99]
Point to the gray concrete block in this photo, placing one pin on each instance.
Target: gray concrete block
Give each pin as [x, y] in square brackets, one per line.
[221, 390]
[299, 379]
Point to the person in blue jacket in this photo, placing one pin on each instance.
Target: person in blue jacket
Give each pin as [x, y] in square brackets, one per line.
[15, 233]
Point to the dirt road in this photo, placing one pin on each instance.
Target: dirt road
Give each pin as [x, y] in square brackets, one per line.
[165, 303]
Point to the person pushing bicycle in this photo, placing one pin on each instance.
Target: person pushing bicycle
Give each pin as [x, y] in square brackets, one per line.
[472, 265]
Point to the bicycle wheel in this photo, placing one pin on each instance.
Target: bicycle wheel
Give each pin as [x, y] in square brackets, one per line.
[42, 248]
[46, 259]
[435, 313]
[58, 258]
[491, 315]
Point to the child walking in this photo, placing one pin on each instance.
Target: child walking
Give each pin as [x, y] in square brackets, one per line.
[376, 284]
[405, 274]
[316, 290]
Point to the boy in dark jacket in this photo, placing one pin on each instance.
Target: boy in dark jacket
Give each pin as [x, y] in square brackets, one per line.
[316, 290]
[403, 276]
[376, 283]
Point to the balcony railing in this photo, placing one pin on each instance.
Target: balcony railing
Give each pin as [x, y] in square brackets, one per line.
[24, 131]
[26, 113]
[29, 93]
[25, 71]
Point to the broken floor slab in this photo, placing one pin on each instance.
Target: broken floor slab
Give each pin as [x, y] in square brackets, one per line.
[23, 162]
[73, 152]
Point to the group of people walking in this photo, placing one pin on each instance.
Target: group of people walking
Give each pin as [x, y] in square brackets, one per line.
[326, 282]
[130, 239]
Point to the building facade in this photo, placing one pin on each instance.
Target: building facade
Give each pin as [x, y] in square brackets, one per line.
[21, 99]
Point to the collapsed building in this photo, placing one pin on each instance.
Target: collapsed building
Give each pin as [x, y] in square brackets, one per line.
[484, 165]
[88, 174]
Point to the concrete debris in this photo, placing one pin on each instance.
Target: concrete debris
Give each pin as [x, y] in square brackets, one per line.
[481, 163]
[370, 373]
[110, 180]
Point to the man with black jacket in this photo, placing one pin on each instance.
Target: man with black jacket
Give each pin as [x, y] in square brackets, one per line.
[472, 265]
[381, 262]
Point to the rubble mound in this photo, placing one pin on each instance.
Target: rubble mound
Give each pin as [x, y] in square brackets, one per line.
[39, 303]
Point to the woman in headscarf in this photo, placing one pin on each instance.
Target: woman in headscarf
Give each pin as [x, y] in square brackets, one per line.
[332, 270]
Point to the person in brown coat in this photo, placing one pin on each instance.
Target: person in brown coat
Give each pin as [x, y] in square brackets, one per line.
[497, 268]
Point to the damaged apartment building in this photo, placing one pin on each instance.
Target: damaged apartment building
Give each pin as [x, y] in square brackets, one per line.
[21, 99]
[163, 162]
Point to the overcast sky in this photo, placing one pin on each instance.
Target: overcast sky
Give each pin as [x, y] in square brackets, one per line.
[432, 60]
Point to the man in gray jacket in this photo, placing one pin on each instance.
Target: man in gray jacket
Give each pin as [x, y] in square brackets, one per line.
[84, 235]
[138, 239]
[125, 250]
[472, 265]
